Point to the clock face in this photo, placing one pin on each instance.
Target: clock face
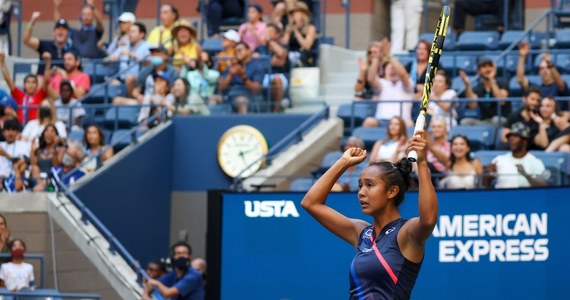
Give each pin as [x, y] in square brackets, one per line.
[240, 150]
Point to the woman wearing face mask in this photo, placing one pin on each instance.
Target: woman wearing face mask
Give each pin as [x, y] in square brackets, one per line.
[17, 275]
[47, 155]
[46, 116]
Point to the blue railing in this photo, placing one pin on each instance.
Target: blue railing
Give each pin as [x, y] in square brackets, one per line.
[46, 294]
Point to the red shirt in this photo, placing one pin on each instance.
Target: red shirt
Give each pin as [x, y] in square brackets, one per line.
[79, 79]
[22, 99]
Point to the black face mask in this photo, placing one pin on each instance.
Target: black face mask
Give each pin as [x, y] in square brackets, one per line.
[181, 263]
[45, 112]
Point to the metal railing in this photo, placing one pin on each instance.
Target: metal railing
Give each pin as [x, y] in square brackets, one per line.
[46, 293]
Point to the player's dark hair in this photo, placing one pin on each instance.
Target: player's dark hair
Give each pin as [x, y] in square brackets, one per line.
[397, 174]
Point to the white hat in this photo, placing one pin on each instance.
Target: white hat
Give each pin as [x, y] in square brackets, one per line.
[232, 35]
[127, 17]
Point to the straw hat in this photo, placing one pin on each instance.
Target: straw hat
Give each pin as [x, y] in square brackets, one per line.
[302, 7]
[184, 24]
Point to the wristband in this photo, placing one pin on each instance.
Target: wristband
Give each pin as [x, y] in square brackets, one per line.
[30, 25]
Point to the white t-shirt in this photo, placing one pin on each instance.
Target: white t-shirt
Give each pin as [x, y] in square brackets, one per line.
[508, 174]
[394, 91]
[64, 110]
[387, 150]
[16, 149]
[436, 111]
[33, 130]
[17, 276]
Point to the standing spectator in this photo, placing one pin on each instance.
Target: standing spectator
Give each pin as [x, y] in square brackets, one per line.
[155, 269]
[130, 55]
[32, 95]
[72, 72]
[277, 80]
[17, 274]
[121, 39]
[253, 31]
[97, 153]
[12, 150]
[229, 42]
[551, 126]
[185, 47]
[444, 108]
[300, 35]
[182, 283]
[71, 159]
[489, 87]
[186, 103]
[219, 10]
[86, 38]
[203, 78]
[518, 168]
[531, 101]
[242, 81]
[393, 147]
[4, 237]
[46, 155]
[46, 116]
[162, 34]
[438, 146]
[462, 170]
[405, 16]
[60, 44]
[363, 88]
[552, 84]
[69, 110]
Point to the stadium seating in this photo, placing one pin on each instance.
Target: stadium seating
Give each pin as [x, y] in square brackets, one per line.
[362, 110]
[76, 135]
[328, 160]
[562, 38]
[212, 46]
[562, 61]
[453, 63]
[486, 157]
[123, 137]
[448, 43]
[558, 163]
[533, 38]
[122, 117]
[370, 135]
[482, 137]
[477, 40]
[301, 184]
[99, 71]
[515, 89]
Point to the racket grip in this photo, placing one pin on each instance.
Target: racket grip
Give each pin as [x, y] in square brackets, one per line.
[420, 123]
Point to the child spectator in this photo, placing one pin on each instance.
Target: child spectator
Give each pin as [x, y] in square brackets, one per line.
[229, 42]
[97, 153]
[185, 47]
[300, 35]
[393, 147]
[253, 31]
[17, 275]
[462, 170]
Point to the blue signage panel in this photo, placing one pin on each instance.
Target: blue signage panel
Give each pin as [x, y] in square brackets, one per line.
[487, 245]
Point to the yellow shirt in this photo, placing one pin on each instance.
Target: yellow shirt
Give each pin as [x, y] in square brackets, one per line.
[160, 36]
[224, 59]
[188, 50]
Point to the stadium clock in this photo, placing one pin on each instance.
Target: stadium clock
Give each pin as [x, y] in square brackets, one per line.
[239, 147]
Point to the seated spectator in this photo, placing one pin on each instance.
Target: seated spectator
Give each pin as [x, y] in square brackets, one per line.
[183, 282]
[57, 47]
[7, 112]
[121, 38]
[20, 182]
[218, 10]
[86, 38]
[185, 47]
[462, 170]
[160, 98]
[186, 103]
[45, 155]
[300, 35]
[97, 153]
[463, 8]
[393, 147]
[32, 95]
[162, 35]
[253, 31]
[551, 125]
[69, 110]
[46, 116]
[443, 108]
[17, 274]
[277, 80]
[518, 168]
[348, 181]
[531, 101]
[363, 88]
[203, 78]
[155, 269]
[72, 72]
[396, 85]
[71, 159]
[561, 141]
[242, 81]
[229, 41]
[489, 87]
[12, 150]
[5, 237]
[130, 55]
[144, 85]
[438, 146]
[552, 84]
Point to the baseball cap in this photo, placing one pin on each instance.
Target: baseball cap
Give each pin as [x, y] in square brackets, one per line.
[127, 17]
[158, 48]
[7, 100]
[162, 75]
[484, 60]
[520, 129]
[232, 35]
[61, 23]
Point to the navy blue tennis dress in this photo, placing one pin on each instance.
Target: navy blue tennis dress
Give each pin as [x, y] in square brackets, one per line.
[379, 270]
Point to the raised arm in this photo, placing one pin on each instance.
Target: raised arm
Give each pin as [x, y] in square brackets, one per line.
[56, 13]
[308, 40]
[555, 74]
[416, 231]
[524, 48]
[404, 75]
[27, 38]
[315, 199]
[6, 72]
[97, 16]
[372, 76]
[468, 90]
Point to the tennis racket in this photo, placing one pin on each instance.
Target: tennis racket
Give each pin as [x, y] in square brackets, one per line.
[433, 62]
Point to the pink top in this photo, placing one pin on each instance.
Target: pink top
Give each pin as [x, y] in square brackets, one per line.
[79, 80]
[445, 148]
[248, 37]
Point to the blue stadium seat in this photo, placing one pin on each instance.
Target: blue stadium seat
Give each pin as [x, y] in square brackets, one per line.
[515, 88]
[481, 137]
[121, 117]
[100, 71]
[562, 61]
[121, 138]
[405, 59]
[328, 160]
[453, 63]
[478, 40]
[562, 38]
[362, 110]
[508, 63]
[212, 46]
[301, 184]
[534, 38]
[458, 85]
[558, 163]
[370, 135]
[221, 109]
[448, 43]
[76, 135]
[487, 156]
[105, 94]
[21, 68]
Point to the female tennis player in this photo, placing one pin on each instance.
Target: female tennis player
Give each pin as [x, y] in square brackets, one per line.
[389, 252]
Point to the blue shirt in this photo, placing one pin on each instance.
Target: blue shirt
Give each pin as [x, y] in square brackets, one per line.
[189, 286]
[369, 279]
[254, 71]
[85, 40]
[141, 50]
